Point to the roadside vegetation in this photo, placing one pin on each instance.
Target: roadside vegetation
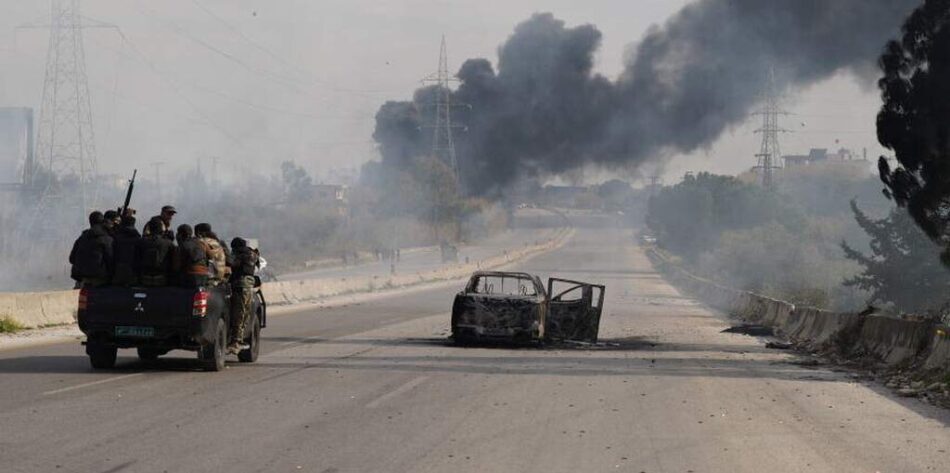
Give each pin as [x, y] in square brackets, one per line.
[8, 325]
[804, 242]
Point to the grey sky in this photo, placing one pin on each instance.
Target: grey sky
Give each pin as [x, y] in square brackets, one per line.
[257, 82]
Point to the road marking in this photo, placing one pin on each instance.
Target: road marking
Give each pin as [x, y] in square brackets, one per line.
[93, 383]
[396, 392]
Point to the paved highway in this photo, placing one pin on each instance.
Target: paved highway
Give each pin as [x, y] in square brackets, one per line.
[375, 387]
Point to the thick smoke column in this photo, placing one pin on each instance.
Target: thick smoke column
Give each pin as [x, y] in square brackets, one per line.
[545, 112]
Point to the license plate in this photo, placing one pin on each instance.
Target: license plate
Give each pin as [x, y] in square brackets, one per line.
[135, 332]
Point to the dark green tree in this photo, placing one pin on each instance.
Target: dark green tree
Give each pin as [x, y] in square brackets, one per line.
[913, 120]
[903, 268]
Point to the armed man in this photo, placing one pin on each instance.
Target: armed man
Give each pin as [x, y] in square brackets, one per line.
[126, 246]
[245, 263]
[165, 218]
[92, 254]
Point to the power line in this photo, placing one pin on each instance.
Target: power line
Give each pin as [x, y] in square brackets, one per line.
[301, 71]
[183, 32]
[172, 85]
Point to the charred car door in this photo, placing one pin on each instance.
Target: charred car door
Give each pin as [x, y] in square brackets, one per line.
[574, 310]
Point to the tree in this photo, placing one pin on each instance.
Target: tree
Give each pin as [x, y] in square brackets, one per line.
[298, 183]
[913, 120]
[688, 218]
[903, 268]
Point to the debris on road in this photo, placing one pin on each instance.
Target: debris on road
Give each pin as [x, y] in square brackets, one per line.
[751, 330]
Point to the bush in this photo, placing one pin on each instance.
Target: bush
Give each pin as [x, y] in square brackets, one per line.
[8, 325]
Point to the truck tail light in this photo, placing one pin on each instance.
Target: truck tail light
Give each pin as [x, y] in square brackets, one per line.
[83, 299]
[200, 304]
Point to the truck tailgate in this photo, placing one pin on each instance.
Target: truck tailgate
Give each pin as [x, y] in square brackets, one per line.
[152, 307]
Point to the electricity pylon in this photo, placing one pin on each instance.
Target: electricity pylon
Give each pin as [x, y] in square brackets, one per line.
[443, 143]
[65, 141]
[770, 154]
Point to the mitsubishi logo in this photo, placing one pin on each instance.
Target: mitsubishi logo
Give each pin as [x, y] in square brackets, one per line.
[139, 308]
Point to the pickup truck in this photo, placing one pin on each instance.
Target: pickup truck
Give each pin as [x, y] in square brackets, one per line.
[156, 320]
[509, 306]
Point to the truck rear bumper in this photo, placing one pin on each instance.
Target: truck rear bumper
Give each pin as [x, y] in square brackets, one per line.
[198, 332]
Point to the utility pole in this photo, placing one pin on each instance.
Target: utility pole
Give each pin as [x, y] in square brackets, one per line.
[65, 141]
[158, 178]
[655, 182]
[770, 153]
[214, 175]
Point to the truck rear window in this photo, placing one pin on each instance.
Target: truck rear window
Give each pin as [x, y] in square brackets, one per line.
[504, 286]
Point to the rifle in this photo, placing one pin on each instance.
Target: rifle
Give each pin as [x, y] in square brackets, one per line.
[128, 194]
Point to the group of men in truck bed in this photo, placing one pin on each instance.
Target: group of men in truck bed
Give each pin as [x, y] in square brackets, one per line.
[112, 252]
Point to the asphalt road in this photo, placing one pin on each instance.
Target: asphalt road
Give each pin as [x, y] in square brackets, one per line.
[375, 387]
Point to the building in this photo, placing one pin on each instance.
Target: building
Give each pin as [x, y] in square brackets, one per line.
[332, 195]
[821, 155]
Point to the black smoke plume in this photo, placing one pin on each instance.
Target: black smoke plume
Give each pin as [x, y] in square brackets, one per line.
[544, 111]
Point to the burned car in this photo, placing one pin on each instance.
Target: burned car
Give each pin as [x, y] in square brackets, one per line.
[510, 306]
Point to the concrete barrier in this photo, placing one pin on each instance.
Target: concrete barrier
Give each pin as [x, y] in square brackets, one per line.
[888, 340]
[40, 309]
[938, 358]
[893, 341]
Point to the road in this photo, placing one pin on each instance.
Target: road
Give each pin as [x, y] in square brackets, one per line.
[374, 387]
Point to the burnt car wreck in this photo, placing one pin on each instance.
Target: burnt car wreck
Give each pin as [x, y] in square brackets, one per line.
[516, 307]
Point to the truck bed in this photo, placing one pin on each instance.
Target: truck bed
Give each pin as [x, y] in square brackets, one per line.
[154, 316]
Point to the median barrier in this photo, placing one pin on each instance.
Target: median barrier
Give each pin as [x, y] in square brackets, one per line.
[41, 309]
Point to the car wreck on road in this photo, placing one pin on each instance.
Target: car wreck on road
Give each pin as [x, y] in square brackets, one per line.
[517, 307]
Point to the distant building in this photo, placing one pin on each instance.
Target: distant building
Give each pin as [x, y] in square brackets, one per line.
[820, 155]
[332, 195]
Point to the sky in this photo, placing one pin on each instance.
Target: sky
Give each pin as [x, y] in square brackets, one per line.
[258, 82]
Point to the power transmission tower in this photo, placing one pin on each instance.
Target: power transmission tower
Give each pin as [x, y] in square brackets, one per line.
[770, 154]
[443, 143]
[65, 142]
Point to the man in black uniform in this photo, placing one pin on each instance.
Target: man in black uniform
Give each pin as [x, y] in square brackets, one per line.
[113, 216]
[125, 247]
[92, 257]
[155, 254]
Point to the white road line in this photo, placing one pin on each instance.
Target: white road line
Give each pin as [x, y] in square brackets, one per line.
[395, 392]
[86, 385]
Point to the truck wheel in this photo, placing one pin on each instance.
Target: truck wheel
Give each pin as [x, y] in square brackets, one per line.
[102, 357]
[250, 355]
[149, 355]
[212, 356]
